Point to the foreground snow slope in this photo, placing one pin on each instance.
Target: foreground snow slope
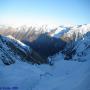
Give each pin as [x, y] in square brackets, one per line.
[66, 75]
[63, 75]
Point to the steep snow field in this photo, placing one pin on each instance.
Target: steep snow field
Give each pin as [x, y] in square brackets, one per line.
[63, 75]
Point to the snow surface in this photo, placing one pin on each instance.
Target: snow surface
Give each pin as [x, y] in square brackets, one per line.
[63, 75]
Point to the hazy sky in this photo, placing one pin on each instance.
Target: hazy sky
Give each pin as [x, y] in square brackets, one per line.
[20, 12]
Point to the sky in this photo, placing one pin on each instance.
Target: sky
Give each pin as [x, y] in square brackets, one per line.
[55, 12]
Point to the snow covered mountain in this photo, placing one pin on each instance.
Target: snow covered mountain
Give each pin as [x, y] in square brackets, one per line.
[12, 50]
[69, 69]
[23, 32]
[69, 30]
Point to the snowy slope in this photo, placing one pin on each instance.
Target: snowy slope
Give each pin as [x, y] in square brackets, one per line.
[21, 75]
[66, 75]
[83, 48]
[12, 50]
[63, 75]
